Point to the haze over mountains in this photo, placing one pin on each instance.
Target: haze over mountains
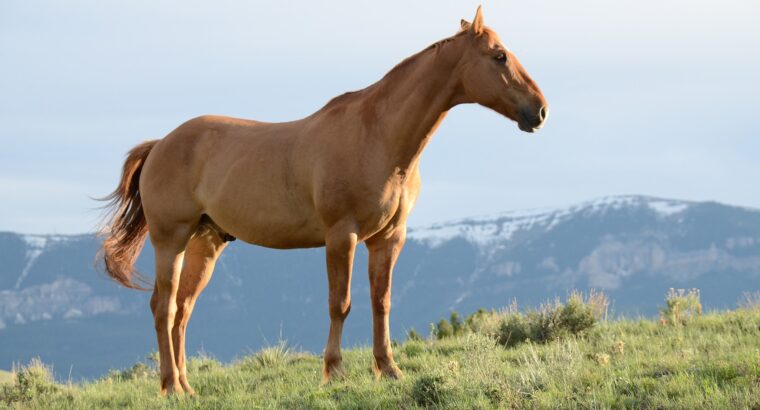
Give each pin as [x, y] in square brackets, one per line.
[53, 304]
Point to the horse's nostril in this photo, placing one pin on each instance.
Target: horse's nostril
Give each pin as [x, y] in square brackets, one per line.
[543, 113]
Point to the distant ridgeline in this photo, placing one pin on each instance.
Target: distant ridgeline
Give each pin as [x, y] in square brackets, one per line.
[53, 304]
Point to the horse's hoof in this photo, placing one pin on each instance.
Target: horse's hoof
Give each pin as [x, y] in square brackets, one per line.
[389, 370]
[186, 387]
[172, 389]
[333, 371]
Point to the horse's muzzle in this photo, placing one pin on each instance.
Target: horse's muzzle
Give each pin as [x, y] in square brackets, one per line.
[533, 120]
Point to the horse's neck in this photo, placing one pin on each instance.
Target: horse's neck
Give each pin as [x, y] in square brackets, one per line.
[409, 106]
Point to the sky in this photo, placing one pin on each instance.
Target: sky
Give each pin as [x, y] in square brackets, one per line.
[652, 97]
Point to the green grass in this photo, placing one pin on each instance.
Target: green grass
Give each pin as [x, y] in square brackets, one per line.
[712, 362]
[5, 377]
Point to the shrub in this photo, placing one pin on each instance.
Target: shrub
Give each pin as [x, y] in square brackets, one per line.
[514, 329]
[444, 329]
[482, 322]
[485, 322]
[413, 335]
[29, 382]
[413, 348]
[681, 306]
[449, 328]
[139, 370]
[429, 390]
[202, 363]
[553, 320]
[544, 323]
[576, 316]
[456, 324]
[550, 321]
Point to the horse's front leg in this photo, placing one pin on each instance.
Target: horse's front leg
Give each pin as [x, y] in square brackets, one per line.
[383, 252]
[340, 245]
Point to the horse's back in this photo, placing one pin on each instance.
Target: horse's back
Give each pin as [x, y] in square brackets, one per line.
[241, 173]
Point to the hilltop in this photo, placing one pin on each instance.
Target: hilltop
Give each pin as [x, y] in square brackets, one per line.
[705, 362]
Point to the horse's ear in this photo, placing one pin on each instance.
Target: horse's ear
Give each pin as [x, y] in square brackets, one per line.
[464, 24]
[477, 23]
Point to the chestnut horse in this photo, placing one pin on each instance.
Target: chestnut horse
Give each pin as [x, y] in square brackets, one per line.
[348, 173]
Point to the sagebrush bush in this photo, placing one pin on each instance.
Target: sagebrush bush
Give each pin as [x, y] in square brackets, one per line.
[29, 382]
[577, 315]
[137, 371]
[444, 329]
[413, 335]
[554, 320]
[514, 329]
[681, 306]
[429, 390]
[486, 322]
[453, 327]
[456, 324]
[202, 363]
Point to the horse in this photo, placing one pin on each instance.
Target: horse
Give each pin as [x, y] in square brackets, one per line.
[349, 173]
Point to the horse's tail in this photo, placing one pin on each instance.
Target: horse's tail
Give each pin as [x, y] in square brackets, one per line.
[126, 228]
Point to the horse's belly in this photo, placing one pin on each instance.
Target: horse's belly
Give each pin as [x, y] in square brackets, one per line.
[275, 224]
[257, 198]
[297, 237]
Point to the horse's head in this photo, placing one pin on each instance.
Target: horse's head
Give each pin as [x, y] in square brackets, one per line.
[493, 77]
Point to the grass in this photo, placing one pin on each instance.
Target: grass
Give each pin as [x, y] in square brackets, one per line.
[712, 361]
[5, 377]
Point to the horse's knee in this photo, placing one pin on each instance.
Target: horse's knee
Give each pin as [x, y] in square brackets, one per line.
[339, 309]
[184, 308]
[164, 316]
[381, 305]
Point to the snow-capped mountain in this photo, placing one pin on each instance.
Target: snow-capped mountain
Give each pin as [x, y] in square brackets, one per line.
[490, 229]
[54, 304]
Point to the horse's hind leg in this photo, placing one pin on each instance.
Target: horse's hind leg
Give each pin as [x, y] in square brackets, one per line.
[200, 257]
[169, 246]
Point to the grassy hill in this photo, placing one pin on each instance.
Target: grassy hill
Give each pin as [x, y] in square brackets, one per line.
[700, 361]
[5, 377]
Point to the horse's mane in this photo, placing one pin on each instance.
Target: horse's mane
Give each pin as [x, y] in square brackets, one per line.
[399, 70]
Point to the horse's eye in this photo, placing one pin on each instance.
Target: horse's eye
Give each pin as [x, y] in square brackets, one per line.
[501, 57]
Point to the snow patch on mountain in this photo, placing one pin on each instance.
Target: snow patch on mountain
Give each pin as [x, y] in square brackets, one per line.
[668, 208]
[36, 245]
[486, 230]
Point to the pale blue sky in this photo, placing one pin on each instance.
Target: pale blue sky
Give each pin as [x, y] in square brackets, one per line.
[647, 97]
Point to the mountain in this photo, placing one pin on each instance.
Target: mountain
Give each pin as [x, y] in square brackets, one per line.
[54, 303]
